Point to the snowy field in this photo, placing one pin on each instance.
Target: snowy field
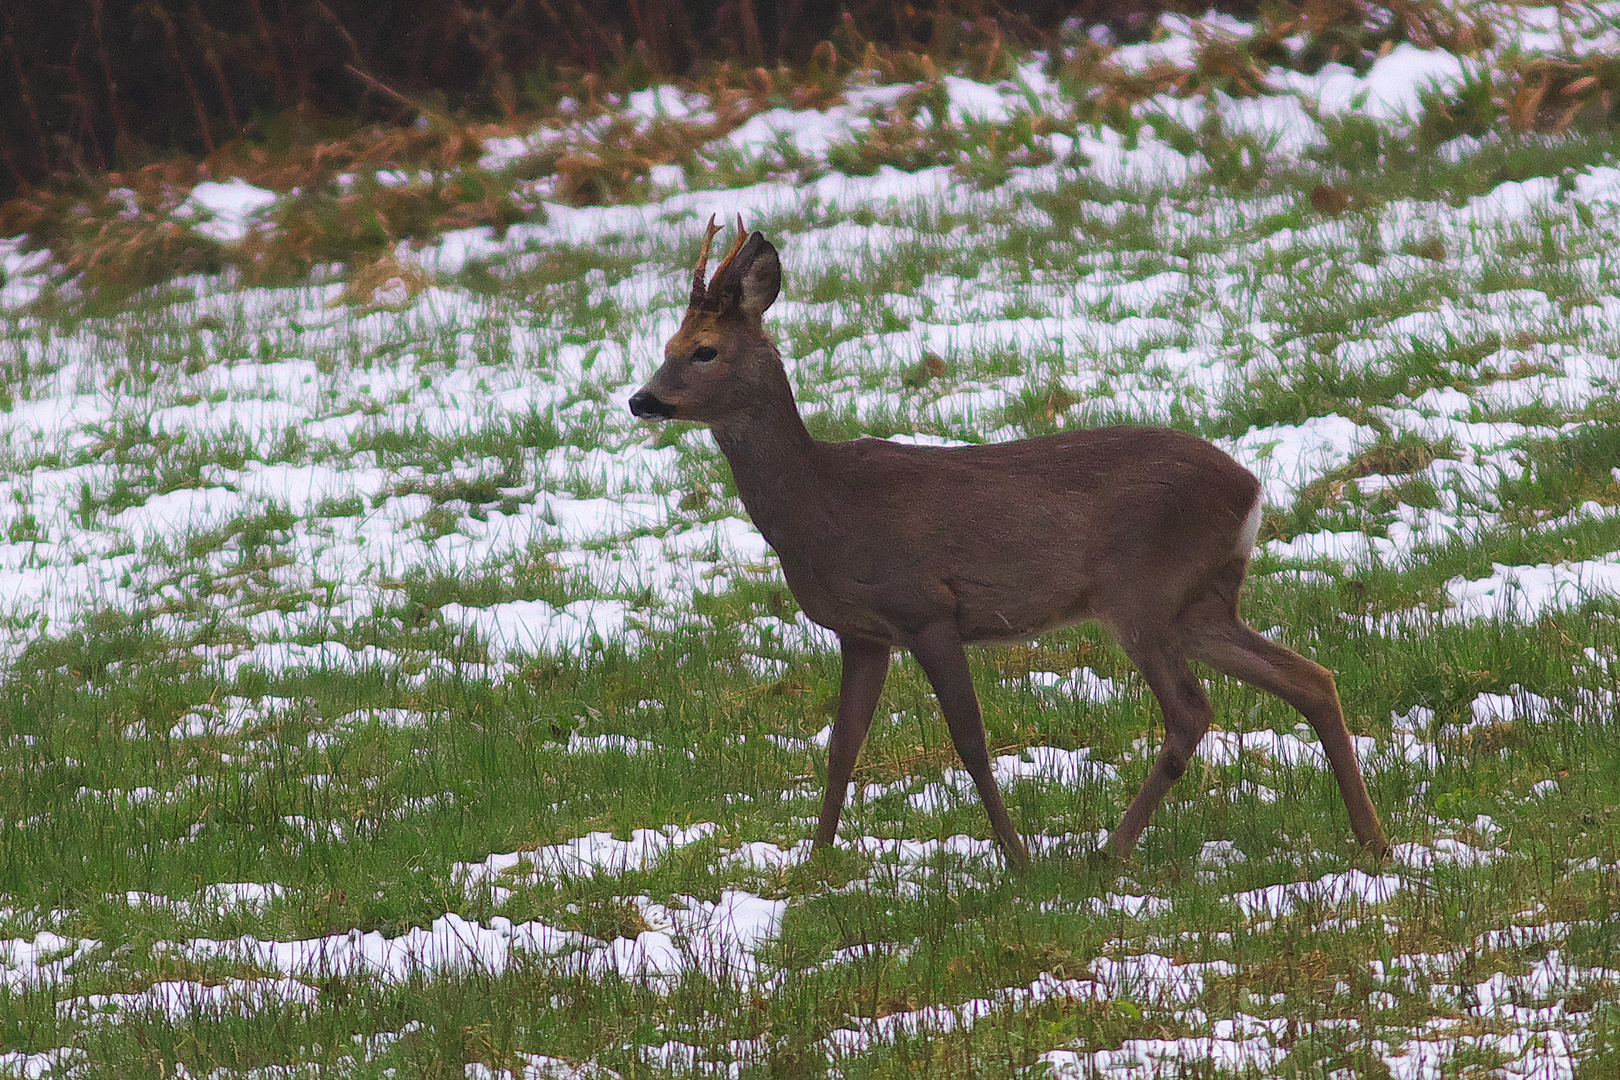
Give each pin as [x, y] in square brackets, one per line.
[383, 699]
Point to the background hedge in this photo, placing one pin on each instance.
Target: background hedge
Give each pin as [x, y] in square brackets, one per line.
[101, 84]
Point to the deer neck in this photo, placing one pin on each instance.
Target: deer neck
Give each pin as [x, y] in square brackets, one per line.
[770, 452]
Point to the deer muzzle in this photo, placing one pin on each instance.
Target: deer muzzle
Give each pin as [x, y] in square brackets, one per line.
[646, 405]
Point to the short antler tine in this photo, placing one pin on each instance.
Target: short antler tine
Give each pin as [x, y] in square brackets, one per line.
[699, 288]
[736, 246]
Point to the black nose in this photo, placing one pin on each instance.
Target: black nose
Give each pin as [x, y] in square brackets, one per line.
[644, 404]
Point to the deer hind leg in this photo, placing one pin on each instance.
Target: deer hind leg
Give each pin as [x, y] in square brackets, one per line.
[866, 665]
[1230, 646]
[1186, 717]
[938, 650]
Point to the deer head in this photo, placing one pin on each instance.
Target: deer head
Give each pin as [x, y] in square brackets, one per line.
[720, 359]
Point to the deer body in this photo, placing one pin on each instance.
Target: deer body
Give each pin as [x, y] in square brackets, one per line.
[1147, 530]
[879, 539]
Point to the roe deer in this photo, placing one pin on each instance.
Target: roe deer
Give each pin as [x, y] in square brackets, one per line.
[1144, 529]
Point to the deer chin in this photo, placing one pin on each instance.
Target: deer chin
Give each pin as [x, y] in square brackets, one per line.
[649, 407]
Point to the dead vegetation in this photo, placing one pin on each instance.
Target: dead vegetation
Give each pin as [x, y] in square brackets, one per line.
[403, 166]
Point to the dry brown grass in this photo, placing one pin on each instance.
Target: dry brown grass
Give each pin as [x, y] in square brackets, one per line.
[117, 231]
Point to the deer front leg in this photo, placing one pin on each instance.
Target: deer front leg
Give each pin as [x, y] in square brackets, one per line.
[866, 665]
[938, 649]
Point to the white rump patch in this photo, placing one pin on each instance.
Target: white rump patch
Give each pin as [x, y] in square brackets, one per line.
[1251, 529]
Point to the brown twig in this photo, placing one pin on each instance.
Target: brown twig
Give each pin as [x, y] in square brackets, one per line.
[204, 32]
[262, 24]
[579, 46]
[753, 44]
[114, 104]
[25, 92]
[644, 32]
[355, 56]
[157, 11]
[87, 123]
[376, 83]
[343, 31]
[614, 44]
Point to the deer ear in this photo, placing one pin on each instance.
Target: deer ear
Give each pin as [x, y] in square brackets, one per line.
[752, 279]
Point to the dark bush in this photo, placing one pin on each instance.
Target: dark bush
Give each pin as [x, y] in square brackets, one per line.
[101, 84]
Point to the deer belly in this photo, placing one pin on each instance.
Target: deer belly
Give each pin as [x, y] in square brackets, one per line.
[1017, 615]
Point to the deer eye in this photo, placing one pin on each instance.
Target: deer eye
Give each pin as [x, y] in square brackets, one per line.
[705, 353]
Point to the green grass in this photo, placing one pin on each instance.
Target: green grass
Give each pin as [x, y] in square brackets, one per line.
[269, 521]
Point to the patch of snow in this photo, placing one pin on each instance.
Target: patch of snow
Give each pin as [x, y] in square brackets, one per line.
[226, 210]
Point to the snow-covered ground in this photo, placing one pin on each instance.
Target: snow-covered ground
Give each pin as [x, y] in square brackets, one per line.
[276, 462]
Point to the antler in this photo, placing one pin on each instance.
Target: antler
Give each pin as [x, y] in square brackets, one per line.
[700, 291]
[736, 246]
[698, 286]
